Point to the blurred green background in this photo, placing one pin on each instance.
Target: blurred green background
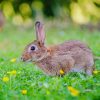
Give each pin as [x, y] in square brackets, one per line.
[24, 12]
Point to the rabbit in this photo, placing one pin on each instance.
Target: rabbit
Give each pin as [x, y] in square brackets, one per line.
[70, 56]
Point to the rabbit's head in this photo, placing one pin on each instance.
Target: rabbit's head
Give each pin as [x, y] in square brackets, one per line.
[36, 50]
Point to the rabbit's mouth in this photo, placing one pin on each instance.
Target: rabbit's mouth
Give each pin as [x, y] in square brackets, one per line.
[29, 60]
[25, 60]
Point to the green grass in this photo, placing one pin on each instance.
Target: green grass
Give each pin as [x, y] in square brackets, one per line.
[29, 77]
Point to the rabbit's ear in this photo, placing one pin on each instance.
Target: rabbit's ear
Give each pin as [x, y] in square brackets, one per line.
[40, 34]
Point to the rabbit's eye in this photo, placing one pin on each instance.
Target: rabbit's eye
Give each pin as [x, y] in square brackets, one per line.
[32, 48]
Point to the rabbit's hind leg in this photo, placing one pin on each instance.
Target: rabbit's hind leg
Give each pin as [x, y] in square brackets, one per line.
[89, 66]
[89, 69]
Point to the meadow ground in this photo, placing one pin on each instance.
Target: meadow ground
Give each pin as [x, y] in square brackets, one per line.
[24, 81]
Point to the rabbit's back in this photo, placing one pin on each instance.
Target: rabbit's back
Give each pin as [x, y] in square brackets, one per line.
[68, 46]
[79, 51]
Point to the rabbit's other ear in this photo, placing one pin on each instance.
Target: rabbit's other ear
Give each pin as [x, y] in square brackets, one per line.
[40, 34]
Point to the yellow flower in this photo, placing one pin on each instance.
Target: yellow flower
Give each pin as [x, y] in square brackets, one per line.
[95, 71]
[24, 92]
[13, 72]
[73, 91]
[13, 60]
[61, 72]
[5, 79]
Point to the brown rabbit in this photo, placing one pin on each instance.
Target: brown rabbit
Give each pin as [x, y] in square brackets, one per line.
[67, 57]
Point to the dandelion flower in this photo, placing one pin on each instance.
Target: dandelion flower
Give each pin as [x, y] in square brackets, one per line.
[73, 91]
[24, 92]
[61, 72]
[95, 71]
[5, 79]
[13, 60]
[13, 72]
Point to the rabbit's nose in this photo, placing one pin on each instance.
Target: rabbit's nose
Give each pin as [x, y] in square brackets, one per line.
[22, 59]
